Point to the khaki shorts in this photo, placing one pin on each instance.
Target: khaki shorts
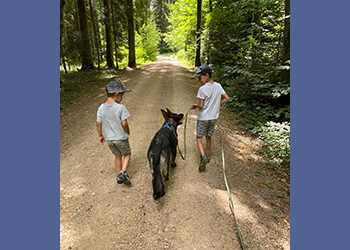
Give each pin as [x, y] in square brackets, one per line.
[119, 147]
[205, 127]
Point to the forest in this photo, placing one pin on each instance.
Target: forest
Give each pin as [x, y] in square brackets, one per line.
[246, 42]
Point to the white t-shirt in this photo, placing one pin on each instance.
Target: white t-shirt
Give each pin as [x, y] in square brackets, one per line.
[211, 94]
[111, 116]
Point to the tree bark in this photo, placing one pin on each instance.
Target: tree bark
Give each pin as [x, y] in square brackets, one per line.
[86, 56]
[62, 54]
[285, 75]
[131, 34]
[114, 22]
[198, 34]
[109, 40]
[95, 35]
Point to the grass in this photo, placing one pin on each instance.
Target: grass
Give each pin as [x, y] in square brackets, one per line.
[77, 84]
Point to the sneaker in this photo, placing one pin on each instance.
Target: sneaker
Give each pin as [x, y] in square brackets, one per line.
[203, 162]
[119, 180]
[124, 177]
[205, 159]
[201, 167]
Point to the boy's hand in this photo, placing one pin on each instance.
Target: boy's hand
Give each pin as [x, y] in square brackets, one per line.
[101, 140]
[194, 106]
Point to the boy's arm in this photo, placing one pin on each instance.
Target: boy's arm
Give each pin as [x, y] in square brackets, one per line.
[126, 126]
[226, 99]
[99, 132]
[200, 105]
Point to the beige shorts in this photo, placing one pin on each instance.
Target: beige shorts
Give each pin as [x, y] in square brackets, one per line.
[119, 147]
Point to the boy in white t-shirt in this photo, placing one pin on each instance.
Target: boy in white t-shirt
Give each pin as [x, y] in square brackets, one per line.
[209, 95]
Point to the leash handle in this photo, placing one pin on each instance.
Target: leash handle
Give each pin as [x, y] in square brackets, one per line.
[183, 156]
[185, 115]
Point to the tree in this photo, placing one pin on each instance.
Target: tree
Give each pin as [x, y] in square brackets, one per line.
[86, 56]
[142, 10]
[109, 40]
[96, 34]
[285, 75]
[131, 34]
[62, 3]
[115, 35]
[198, 34]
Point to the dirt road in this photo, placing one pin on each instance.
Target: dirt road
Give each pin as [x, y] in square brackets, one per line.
[97, 213]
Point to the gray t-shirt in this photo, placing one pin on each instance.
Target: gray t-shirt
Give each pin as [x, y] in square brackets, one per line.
[211, 94]
[111, 116]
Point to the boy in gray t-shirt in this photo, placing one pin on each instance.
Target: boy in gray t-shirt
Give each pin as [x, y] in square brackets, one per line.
[112, 120]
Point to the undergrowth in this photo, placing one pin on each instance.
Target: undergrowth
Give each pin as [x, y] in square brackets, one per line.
[75, 85]
[275, 147]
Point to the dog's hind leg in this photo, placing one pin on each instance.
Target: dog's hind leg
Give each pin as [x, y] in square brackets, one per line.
[173, 156]
[164, 166]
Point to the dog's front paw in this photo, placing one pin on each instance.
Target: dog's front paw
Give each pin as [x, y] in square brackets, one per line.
[173, 165]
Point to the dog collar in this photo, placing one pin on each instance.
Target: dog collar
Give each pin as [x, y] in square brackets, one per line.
[169, 126]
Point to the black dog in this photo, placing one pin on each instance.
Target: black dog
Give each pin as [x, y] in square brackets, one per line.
[162, 151]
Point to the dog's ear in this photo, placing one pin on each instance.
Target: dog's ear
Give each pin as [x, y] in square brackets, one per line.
[169, 112]
[165, 114]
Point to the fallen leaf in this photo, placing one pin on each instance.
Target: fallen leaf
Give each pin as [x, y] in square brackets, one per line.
[275, 204]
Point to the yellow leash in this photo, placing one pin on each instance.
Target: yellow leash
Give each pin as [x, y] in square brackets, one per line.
[183, 156]
[228, 189]
[185, 115]
[224, 171]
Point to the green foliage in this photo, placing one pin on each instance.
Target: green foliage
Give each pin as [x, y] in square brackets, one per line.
[181, 35]
[244, 50]
[276, 143]
[147, 42]
[124, 52]
[160, 12]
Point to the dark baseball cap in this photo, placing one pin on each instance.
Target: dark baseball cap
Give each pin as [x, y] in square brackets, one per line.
[202, 70]
[116, 86]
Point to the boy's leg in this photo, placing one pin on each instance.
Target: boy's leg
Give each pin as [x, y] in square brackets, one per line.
[201, 131]
[208, 135]
[118, 163]
[126, 160]
[200, 145]
[208, 145]
[118, 166]
[123, 176]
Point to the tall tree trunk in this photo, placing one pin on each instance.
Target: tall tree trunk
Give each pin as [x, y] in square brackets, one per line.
[62, 3]
[95, 35]
[115, 35]
[131, 33]
[198, 44]
[286, 42]
[109, 40]
[86, 56]
[209, 36]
